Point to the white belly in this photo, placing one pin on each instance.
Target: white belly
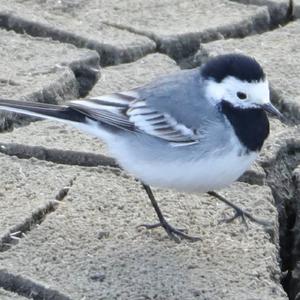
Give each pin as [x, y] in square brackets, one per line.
[186, 171]
[200, 175]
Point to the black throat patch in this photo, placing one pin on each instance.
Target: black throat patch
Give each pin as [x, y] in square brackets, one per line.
[251, 125]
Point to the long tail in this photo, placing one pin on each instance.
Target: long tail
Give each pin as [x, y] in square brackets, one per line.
[42, 110]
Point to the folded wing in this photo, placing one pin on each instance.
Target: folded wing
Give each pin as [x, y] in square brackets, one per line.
[126, 111]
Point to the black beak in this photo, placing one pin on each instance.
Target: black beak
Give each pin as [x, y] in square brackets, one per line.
[270, 108]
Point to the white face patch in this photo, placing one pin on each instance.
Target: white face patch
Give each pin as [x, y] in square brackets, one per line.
[257, 93]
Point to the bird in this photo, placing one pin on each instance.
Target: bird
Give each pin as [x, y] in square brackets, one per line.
[195, 130]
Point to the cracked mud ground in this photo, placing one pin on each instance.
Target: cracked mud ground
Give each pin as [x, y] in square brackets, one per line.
[69, 215]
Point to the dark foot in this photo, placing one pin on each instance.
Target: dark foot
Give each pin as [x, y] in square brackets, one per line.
[239, 213]
[174, 233]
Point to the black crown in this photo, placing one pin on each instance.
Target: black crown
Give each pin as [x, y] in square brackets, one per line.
[240, 66]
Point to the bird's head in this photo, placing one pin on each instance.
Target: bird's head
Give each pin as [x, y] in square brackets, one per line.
[239, 80]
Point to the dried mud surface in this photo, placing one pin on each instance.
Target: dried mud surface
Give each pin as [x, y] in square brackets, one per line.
[69, 215]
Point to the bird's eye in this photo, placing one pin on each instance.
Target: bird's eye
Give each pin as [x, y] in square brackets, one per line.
[241, 95]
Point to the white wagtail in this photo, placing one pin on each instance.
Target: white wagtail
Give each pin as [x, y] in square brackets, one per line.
[196, 130]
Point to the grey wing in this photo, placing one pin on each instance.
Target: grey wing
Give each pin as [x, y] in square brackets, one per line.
[126, 111]
[182, 95]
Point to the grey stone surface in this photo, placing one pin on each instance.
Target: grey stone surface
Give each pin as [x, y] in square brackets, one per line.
[281, 11]
[128, 76]
[278, 53]
[281, 160]
[4, 295]
[294, 284]
[194, 14]
[42, 70]
[22, 198]
[61, 136]
[296, 8]
[23, 286]
[96, 226]
[31, 66]
[78, 23]
[178, 26]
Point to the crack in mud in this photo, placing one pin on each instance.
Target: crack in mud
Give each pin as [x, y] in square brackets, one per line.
[280, 14]
[66, 157]
[279, 177]
[187, 44]
[19, 231]
[28, 288]
[109, 54]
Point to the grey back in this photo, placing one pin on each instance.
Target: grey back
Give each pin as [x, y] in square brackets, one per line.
[181, 95]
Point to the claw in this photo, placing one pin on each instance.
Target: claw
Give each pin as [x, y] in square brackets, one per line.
[156, 225]
[175, 234]
[240, 213]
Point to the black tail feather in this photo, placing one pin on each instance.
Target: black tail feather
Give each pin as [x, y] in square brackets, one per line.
[43, 110]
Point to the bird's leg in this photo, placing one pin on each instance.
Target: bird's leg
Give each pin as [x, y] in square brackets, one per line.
[239, 212]
[175, 234]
